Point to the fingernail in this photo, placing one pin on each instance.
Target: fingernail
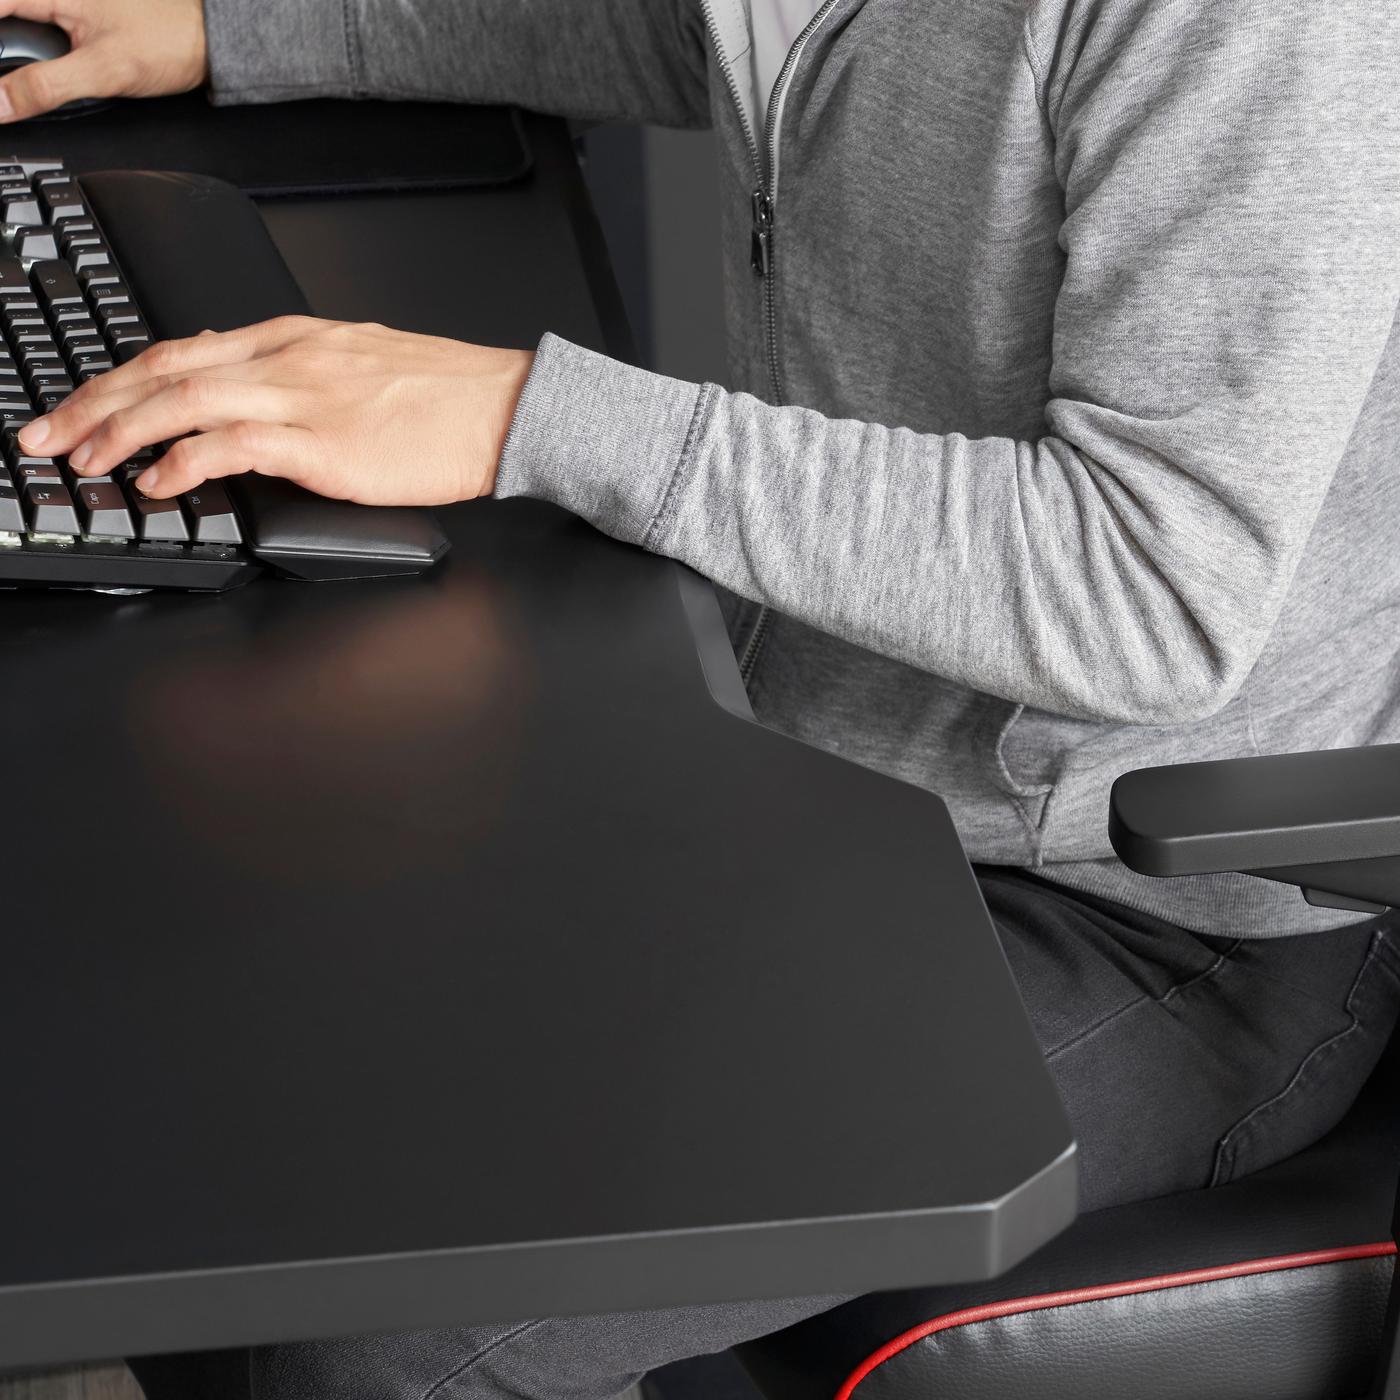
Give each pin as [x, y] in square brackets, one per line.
[148, 481]
[7, 108]
[78, 457]
[34, 434]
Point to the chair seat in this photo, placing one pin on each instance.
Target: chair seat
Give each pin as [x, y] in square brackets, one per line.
[1273, 1288]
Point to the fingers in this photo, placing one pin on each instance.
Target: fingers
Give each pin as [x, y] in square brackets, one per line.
[45, 11]
[196, 404]
[43, 87]
[72, 422]
[78, 417]
[273, 449]
[207, 350]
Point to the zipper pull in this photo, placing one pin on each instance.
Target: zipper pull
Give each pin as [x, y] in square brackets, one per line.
[761, 252]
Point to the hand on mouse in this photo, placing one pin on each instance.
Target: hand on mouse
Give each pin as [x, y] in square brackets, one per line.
[358, 412]
[121, 48]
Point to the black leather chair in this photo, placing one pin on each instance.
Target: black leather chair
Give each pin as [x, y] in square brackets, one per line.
[1274, 1288]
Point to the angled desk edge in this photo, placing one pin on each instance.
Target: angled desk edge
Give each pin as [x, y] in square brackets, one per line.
[185, 1309]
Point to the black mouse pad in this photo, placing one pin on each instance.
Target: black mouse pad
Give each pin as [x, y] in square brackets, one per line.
[319, 146]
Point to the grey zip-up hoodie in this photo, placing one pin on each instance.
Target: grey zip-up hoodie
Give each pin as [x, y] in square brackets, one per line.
[1064, 428]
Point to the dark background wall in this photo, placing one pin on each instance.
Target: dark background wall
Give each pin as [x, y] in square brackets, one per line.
[657, 198]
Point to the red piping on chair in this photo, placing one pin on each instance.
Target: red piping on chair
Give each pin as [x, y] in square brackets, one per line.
[1010, 1307]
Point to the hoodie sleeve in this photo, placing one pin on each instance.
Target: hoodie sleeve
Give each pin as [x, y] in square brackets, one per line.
[1231, 177]
[625, 60]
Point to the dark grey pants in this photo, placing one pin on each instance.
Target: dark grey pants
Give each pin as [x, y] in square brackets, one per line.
[1185, 1062]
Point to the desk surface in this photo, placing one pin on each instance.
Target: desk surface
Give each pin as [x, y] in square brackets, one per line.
[451, 952]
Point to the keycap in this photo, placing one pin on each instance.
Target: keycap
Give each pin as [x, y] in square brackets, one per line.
[109, 293]
[13, 402]
[104, 510]
[36, 244]
[75, 234]
[127, 343]
[157, 520]
[14, 453]
[91, 360]
[110, 315]
[96, 276]
[36, 168]
[95, 255]
[135, 464]
[77, 326]
[212, 513]
[42, 362]
[16, 417]
[20, 209]
[87, 344]
[129, 348]
[35, 469]
[128, 472]
[56, 286]
[19, 315]
[61, 199]
[13, 282]
[11, 516]
[49, 399]
[50, 509]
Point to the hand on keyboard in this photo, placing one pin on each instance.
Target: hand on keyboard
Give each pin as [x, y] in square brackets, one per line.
[357, 412]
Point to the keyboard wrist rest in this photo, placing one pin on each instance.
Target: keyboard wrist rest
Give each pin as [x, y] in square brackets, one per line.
[199, 257]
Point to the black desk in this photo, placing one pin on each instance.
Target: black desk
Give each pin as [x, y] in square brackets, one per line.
[401, 955]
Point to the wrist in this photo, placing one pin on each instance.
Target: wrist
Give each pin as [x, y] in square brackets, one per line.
[600, 438]
[512, 374]
[199, 47]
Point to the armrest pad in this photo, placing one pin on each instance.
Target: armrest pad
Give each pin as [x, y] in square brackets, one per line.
[1259, 813]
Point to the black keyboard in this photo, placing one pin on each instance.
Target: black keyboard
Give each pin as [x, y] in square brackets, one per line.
[69, 314]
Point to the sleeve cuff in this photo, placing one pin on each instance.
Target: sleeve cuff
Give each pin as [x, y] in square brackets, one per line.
[261, 52]
[600, 438]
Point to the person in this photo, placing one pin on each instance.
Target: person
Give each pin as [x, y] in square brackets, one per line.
[1063, 437]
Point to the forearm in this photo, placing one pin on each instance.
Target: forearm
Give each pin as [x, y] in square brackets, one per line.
[1231, 280]
[639, 60]
[1128, 575]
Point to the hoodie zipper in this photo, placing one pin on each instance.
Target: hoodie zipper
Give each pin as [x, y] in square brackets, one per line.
[762, 255]
[765, 197]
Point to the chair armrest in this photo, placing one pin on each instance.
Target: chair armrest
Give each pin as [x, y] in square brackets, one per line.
[1328, 821]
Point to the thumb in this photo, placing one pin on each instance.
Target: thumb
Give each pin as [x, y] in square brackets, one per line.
[37, 88]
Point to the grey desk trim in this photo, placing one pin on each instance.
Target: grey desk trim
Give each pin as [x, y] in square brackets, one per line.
[143, 1315]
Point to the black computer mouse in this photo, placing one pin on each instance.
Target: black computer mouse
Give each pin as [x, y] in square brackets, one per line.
[27, 41]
